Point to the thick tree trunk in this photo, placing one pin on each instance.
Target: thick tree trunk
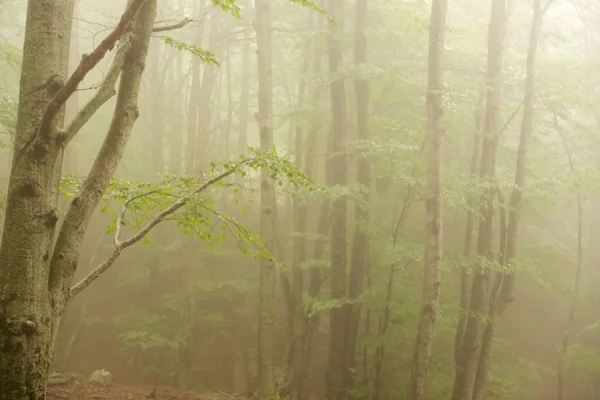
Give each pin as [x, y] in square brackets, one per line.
[432, 278]
[359, 244]
[262, 25]
[478, 307]
[31, 214]
[338, 168]
[36, 278]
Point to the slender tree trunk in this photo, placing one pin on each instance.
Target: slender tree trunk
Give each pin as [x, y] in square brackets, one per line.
[560, 381]
[360, 240]
[300, 222]
[156, 117]
[315, 275]
[194, 100]
[209, 78]
[432, 278]
[245, 93]
[262, 25]
[478, 307]
[175, 142]
[337, 167]
[465, 276]
[506, 281]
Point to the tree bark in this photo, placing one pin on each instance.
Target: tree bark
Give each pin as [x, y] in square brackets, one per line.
[501, 298]
[432, 278]
[263, 27]
[363, 176]
[245, 93]
[31, 216]
[478, 307]
[465, 276]
[338, 168]
[35, 276]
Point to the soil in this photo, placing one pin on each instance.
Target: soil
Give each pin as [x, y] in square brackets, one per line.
[119, 392]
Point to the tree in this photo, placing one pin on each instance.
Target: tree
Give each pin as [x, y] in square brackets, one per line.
[263, 28]
[478, 306]
[502, 292]
[434, 205]
[36, 274]
[358, 265]
[337, 166]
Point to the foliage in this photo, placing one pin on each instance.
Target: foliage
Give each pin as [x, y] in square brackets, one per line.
[146, 199]
[204, 55]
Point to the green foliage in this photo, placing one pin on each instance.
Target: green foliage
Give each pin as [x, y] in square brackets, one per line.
[144, 200]
[144, 330]
[229, 6]
[204, 55]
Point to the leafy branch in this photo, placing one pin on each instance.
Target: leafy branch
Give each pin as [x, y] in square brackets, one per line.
[203, 54]
[281, 169]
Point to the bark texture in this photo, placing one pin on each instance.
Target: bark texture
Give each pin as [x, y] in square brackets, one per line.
[35, 276]
[31, 216]
[338, 168]
[501, 295]
[262, 25]
[358, 264]
[434, 206]
[466, 365]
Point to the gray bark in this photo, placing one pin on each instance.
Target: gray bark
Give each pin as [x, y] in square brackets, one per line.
[266, 303]
[432, 278]
[35, 276]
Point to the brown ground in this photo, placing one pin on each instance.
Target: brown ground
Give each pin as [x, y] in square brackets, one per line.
[119, 392]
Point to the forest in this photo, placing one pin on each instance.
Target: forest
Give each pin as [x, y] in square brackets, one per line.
[299, 199]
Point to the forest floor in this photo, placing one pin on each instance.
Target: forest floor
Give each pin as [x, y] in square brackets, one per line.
[119, 392]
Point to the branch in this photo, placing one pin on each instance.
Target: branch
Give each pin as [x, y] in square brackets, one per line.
[122, 245]
[88, 61]
[106, 91]
[178, 25]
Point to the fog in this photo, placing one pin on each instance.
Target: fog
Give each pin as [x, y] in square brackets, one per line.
[179, 312]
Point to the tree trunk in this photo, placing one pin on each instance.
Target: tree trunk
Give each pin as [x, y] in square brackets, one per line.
[31, 213]
[245, 93]
[338, 168]
[194, 99]
[300, 222]
[432, 278]
[209, 78]
[465, 276]
[36, 277]
[498, 304]
[262, 25]
[478, 307]
[360, 241]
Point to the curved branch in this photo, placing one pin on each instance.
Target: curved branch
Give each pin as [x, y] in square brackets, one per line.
[106, 91]
[88, 61]
[178, 25]
[122, 245]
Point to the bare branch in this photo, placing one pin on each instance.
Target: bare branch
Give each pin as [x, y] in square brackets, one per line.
[122, 245]
[178, 25]
[88, 61]
[106, 91]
